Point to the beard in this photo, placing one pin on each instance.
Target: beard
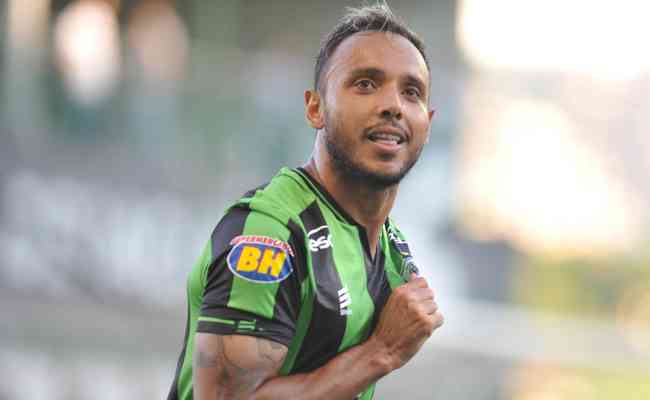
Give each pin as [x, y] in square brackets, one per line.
[353, 170]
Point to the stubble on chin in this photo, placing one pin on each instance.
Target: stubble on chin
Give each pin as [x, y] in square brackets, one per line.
[352, 170]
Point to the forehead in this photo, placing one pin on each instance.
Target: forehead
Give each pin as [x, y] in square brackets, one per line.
[387, 51]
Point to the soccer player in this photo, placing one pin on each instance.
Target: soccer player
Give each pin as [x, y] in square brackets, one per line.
[306, 288]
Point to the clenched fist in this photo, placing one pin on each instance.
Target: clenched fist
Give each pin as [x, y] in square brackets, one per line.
[408, 319]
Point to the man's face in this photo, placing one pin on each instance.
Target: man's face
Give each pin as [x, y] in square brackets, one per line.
[376, 115]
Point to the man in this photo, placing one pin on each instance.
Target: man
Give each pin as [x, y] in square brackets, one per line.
[306, 289]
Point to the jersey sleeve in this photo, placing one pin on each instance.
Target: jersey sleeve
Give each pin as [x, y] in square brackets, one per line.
[252, 285]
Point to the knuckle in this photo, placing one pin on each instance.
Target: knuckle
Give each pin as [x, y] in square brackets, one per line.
[440, 319]
[429, 327]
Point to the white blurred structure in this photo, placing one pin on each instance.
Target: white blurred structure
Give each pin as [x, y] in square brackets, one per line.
[87, 45]
[546, 139]
[601, 39]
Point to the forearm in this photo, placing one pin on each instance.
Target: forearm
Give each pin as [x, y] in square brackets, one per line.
[343, 377]
[246, 367]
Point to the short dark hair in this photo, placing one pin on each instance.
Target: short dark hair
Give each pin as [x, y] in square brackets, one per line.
[376, 18]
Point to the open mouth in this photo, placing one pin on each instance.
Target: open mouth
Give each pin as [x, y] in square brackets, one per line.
[386, 138]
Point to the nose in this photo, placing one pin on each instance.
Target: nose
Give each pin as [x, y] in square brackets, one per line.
[391, 113]
[391, 108]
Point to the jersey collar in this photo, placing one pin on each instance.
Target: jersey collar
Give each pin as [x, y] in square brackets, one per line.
[324, 195]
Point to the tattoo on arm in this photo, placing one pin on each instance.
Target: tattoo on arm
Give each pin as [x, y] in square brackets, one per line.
[272, 352]
[238, 365]
[206, 360]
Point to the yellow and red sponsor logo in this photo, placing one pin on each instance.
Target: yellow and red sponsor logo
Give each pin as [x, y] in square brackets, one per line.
[260, 258]
[263, 240]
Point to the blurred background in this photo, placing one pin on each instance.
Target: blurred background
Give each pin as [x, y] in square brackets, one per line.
[126, 127]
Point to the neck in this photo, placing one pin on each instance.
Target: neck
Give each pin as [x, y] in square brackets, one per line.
[369, 206]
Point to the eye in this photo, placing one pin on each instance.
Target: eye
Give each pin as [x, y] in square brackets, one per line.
[364, 84]
[413, 92]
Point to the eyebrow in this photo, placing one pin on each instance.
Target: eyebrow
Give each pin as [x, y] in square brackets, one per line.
[371, 72]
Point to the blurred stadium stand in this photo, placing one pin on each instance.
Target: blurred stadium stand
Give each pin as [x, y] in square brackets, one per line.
[126, 127]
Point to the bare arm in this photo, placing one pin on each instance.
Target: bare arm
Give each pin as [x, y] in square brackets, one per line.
[343, 377]
[233, 366]
[243, 367]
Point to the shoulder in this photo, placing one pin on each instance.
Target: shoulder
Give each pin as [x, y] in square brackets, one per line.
[265, 217]
[272, 209]
[266, 209]
[242, 224]
[284, 197]
[255, 247]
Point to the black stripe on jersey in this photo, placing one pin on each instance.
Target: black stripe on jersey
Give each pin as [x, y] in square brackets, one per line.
[288, 294]
[230, 225]
[327, 327]
[252, 192]
[173, 391]
[245, 323]
[281, 327]
[219, 284]
[377, 284]
[323, 193]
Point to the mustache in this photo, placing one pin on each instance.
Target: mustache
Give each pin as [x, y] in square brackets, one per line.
[391, 123]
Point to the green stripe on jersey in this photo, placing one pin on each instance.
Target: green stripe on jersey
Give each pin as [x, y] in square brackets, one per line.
[284, 198]
[347, 253]
[393, 264]
[246, 295]
[195, 285]
[370, 392]
[321, 197]
[219, 320]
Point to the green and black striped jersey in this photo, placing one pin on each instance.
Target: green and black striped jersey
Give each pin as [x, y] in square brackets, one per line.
[288, 264]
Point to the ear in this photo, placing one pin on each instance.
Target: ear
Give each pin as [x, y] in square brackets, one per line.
[314, 109]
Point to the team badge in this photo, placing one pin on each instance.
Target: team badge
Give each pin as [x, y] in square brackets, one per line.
[260, 259]
[408, 264]
[409, 267]
[399, 244]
